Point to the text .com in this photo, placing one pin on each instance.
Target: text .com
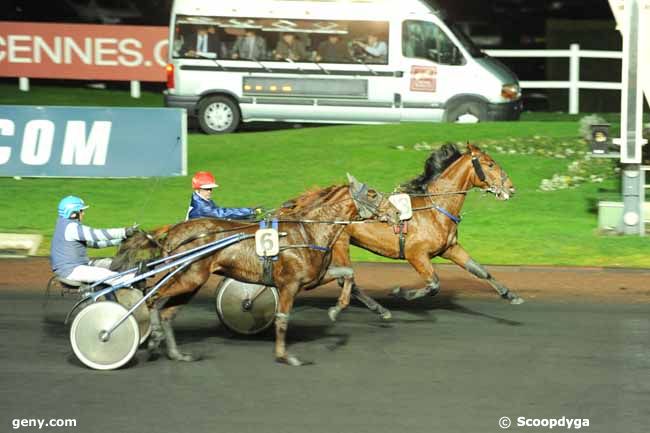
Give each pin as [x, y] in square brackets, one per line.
[41, 423]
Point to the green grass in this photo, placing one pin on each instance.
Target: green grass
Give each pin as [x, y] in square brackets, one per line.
[67, 96]
[266, 168]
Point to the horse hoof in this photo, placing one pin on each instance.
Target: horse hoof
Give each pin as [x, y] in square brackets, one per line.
[517, 300]
[153, 343]
[333, 313]
[397, 292]
[184, 357]
[292, 360]
[386, 315]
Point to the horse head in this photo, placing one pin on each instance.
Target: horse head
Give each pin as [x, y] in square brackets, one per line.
[370, 203]
[489, 175]
[140, 247]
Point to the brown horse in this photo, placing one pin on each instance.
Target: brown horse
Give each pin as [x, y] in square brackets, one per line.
[309, 230]
[437, 197]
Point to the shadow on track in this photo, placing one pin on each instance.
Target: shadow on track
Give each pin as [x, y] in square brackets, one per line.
[422, 308]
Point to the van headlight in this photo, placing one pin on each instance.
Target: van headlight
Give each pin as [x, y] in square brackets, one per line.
[511, 91]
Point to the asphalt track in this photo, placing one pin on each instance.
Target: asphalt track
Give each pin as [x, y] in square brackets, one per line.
[453, 363]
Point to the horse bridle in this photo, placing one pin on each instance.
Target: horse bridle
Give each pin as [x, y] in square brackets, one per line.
[477, 168]
[365, 206]
[481, 174]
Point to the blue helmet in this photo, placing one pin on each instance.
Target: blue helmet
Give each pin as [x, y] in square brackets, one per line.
[69, 205]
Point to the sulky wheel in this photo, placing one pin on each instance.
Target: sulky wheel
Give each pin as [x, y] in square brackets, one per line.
[104, 352]
[128, 298]
[246, 308]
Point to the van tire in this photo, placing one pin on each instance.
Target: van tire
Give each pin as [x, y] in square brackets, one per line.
[471, 108]
[218, 115]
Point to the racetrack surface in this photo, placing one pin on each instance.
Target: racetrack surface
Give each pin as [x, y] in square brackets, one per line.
[578, 348]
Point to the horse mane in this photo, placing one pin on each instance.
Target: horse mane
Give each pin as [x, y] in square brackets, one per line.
[437, 162]
[308, 200]
[139, 248]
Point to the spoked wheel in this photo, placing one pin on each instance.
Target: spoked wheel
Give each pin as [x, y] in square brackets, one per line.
[128, 298]
[99, 351]
[246, 308]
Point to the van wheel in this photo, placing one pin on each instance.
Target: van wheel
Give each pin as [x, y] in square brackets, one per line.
[467, 112]
[218, 115]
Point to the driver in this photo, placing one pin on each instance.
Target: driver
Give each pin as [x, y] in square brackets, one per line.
[201, 204]
[68, 254]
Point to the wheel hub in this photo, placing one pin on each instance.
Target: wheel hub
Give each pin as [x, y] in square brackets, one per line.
[218, 116]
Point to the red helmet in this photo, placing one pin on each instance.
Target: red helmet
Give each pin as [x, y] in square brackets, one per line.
[203, 180]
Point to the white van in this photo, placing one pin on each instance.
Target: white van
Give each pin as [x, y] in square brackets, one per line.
[329, 61]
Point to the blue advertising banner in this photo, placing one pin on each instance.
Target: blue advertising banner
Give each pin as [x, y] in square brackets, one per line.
[92, 141]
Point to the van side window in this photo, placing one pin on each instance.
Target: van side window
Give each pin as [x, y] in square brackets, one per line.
[425, 40]
[282, 40]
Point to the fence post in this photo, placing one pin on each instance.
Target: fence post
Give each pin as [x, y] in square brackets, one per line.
[23, 84]
[574, 79]
[135, 89]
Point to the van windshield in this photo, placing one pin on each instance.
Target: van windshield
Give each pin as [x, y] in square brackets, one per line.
[291, 40]
[425, 40]
[465, 40]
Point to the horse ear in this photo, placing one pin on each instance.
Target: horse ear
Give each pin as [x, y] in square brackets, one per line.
[472, 149]
[352, 180]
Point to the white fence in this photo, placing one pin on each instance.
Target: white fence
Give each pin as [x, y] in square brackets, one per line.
[645, 211]
[574, 54]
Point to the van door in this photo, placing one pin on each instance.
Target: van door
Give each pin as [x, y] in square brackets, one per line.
[434, 70]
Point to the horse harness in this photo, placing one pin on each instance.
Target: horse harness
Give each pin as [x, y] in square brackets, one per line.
[366, 208]
[401, 229]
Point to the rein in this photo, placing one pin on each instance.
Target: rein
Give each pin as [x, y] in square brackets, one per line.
[294, 221]
[201, 236]
[436, 194]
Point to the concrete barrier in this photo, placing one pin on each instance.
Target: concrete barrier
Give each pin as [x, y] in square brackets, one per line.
[19, 245]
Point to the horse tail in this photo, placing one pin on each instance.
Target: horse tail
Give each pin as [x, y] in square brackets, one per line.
[141, 247]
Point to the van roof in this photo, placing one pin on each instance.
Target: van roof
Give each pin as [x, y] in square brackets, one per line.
[317, 9]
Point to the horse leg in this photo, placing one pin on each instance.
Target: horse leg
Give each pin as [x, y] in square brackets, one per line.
[287, 295]
[341, 257]
[157, 334]
[458, 255]
[171, 297]
[422, 264]
[366, 300]
[340, 273]
[170, 340]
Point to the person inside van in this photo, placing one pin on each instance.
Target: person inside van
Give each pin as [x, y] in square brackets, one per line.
[413, 40]
[179, 41]
[290, 48]
[332, 50]
[204, 43]
[250, 46]
[374, 50]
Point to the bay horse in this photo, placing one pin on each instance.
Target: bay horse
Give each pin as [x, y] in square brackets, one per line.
[310, 227]
[437, 197]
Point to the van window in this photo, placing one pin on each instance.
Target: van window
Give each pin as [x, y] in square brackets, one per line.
[261, 39]
[425, 40]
